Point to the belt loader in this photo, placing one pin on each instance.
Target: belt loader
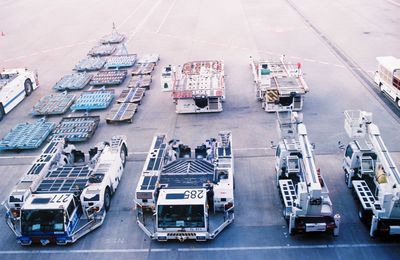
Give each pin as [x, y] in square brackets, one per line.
[305, 196]
[279, 84]
[183, 197]
[62, 198]
[197, 87]
[371, 172]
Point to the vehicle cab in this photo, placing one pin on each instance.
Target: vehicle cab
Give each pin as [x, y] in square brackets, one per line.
[49, 218]
[181, 210]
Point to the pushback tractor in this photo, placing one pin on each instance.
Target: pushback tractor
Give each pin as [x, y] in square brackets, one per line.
[181, 195]
[304, 193]
[371, 172]
[65, 194]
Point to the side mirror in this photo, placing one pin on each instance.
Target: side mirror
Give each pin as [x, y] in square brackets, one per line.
[340, 145]
[313, 146]
[273, 145]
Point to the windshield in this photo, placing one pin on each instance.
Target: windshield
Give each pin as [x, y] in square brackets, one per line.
[42, 221]
[184, 216]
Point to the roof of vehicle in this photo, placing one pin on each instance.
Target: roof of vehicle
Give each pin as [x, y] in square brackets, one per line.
[182, 197]
[48, 201]
[389, 62]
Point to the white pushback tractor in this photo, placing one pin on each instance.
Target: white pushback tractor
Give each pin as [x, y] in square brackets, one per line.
[371, 172]
[181, 197]
[279, 84]
[388, 77]
[62, 198]
[15, 85]
[305, 196]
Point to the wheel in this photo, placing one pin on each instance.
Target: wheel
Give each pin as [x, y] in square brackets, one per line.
[2, 112]
[123, 154]
[107, 199]
[28, 87]
[398, 102]
[346, 177]
[381, 87]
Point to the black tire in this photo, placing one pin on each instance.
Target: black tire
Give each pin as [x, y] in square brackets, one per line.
[28, 87]
[346, 177]
[107, 199]
[123, 154]
[2, 112]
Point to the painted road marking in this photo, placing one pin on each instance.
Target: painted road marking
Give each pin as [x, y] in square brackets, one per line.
[143, 21]
[205, 249]
[129, 16]
[165, 17]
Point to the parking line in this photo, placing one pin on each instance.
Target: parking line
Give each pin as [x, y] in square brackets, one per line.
[203, 249]
[165, 17]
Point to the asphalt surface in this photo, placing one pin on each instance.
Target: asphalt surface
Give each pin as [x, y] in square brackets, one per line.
[336, 41]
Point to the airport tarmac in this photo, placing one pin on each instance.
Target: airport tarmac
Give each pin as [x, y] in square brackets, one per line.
[336, 42]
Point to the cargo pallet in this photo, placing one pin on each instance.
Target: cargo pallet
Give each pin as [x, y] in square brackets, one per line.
[56, 104]
[122, 112]
[121, 61]
[94, 99]
[27, 136]
[131, 95]
[112, 38]
[140, 81]
[90, 64]
[74, 81]
[102, 50]
[149, 58]
[143, 69]
[77, 129]
[108, 78]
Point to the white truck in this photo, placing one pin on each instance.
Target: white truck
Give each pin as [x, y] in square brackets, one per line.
[62, 198]
[15, 85]
[371, 172]
[181, 197]
[279, 84]
[388, 77]
[197, 87]
[305, 196]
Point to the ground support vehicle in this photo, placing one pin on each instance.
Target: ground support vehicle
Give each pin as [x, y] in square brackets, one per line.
[388, 77]
[26, 136]
[108, 78]
[305, 196]
[279, 84]
[181, 195]
[102, 50]
[122, 112]
[149, 58]
[74, 81]
[56, 104]
[370, 171]
[65, 194]
[143, 68]
[121, 61]
[15, 85]
[76, 128]
[90, 64]
[140, 81]
[167, 78]
[94, 99]
[199, 87]
[132, 95]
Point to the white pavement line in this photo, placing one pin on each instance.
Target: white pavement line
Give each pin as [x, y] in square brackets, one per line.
[309, 60]
[393, 2]
[144, 20]
[203, 249]
[129, 16]
[324, 62]
[83, 251]
[18, 157]
[165, 17]
[338, 65]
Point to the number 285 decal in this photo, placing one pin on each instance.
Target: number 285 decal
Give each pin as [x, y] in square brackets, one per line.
[192, 194]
